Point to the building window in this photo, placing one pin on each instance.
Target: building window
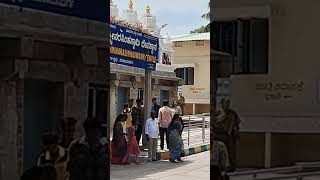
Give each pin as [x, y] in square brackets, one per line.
[98, 104]
[247, 42]
[187, 74]
[178, 44]
[199, 43]
[140, 94]
[123, 96]
[166, 59]
[164, 95]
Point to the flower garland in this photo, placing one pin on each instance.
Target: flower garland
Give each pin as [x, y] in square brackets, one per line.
[124, 23]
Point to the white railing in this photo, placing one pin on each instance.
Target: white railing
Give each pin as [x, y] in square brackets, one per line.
[194, 122]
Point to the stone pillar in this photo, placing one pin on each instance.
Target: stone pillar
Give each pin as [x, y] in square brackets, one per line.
[134, 92]
[76, 104]
[20, 124]
[8, 131]
[156, 93]
[193, 108]
[172, 94]
[147, 101]
[113, 105]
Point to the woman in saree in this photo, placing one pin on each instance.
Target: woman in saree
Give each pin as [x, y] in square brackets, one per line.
[175, 140]
[119, 144]
[133, 147]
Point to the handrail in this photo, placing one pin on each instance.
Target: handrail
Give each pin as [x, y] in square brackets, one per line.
[201, 123]
[308, 164]
[298, 176]
[263, 171]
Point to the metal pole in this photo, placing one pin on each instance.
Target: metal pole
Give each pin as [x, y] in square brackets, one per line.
[147, 101]
[203, 128]
[189, 131]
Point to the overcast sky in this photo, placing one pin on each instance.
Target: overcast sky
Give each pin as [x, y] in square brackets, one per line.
[182, 16]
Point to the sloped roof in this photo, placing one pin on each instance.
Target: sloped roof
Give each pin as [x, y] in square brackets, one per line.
[191, 37]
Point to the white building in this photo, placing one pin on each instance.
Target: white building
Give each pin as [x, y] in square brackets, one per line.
[275, 81]
[192, 63]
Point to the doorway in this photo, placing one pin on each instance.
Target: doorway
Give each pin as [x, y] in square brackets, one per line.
[43, 105]
[98, 105]
[164, 95]
[123, 97]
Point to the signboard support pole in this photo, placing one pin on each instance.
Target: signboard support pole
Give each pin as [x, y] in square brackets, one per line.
[147, 100]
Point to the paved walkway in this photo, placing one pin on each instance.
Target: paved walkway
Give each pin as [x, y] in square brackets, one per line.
[194, 167]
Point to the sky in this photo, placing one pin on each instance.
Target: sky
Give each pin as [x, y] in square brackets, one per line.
[182, 16]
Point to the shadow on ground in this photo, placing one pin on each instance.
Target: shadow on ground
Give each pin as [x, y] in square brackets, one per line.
[142, 171]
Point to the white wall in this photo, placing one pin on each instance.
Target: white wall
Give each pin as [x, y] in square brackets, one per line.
[294, 39]
[189, 53]
[293, 56]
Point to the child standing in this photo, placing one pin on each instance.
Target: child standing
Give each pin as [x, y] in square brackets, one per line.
[133, 148]
[152, 133]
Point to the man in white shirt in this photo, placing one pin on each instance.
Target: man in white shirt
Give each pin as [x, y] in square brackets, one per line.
[152, 133]
[165, 117]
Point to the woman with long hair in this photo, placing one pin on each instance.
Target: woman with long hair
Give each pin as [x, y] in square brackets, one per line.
[175, 139]
[119, 144]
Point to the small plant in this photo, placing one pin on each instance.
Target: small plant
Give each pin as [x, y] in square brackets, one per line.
[124, 23]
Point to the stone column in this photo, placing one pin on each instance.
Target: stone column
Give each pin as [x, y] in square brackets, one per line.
[8, 131]
[113, 104]
[76, 104]
[147, 101]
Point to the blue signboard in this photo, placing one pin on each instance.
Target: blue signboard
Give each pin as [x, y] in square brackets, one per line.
[88, 9]
[133, 48]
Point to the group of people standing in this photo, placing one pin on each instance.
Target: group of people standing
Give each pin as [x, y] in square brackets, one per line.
[164, 121]
[85, 158]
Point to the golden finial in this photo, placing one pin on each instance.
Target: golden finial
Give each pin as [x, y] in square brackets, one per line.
[130, 5]
[148, 10]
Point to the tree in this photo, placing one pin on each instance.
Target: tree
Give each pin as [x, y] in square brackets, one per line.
[204, 29]
[208, 14]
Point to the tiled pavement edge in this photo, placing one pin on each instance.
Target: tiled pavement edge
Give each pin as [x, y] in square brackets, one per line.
[187, 152]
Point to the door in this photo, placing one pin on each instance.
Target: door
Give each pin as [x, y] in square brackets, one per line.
[164, 95]
[43, 104]
[123, 97]
[98, 99]
[141, 94]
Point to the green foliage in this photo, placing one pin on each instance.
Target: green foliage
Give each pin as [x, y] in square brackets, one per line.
[202, 29]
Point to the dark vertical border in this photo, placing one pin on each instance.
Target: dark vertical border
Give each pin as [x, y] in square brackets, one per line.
[107, 61]
[213, 80]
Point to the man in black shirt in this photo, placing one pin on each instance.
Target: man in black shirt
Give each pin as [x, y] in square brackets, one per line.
[155, 107]
[137, 114]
